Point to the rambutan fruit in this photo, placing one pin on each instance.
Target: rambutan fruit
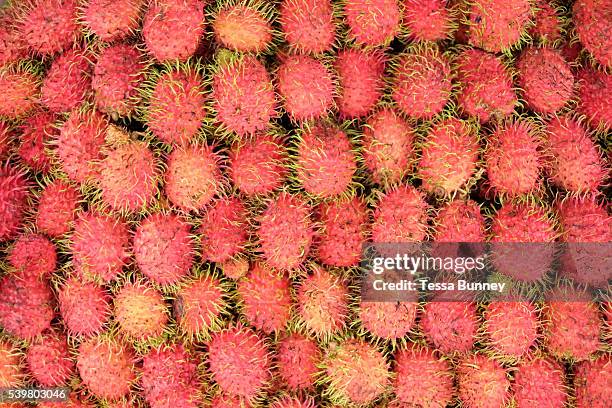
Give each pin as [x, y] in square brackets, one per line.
[449, 157]
[498, 26]
[485, 87]
[140, 311]
[176, 104]
[223, 230]
[243, 96]
[539, 382]
[49, 361]
[51, 26]
[388, 320]
[243, 26]
[459, 221]
[522, 236]
[36, 133]
[117, 75]
[199, 305]
[12, 373]
[112, 20]
[325, 161]
[128, 177]
[100, 245]
[26, 305]
[514, 159]
[163, 248]
[482, 382]
[265, 298]
[33, 254]
[576, 164]
[356, 372]
[13, 46]
[572, 325]
[344, 231]
[20, 91]
[84, 307]
[297, 360]
[240, 362]
[170, 378]
[372, 22]
[293, 402]
[13, 200]
[387, 146]
[422, 378]
[79, 144]
[400, 216]
[6, 140]
[68, 82]
[594, 88]
[285, 232]
[181, 20]
[511, 327]
[427, 20]
[309, 26]
[258, 166]
[306, 86]
[421, 81]
[225, 400]
[360, 80]
[106, 367]
[322, 303]
[193, 177]
[450, 326]
[545, 78]
[593, 25]
[235, 268]
[546, 26]
[592, 381]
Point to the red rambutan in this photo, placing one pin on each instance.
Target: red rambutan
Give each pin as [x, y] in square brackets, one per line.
[33, 254]
[68, 82]
[450, 326]
[388, 320]
[297, 360]
[593, 25]
[84, 307]
[483, 383]
[13, 200]
[592, 381]
[20, 92]
[112, 20]
[546, 26]
[50, 26]
[498, 25]
[372, 22]
[12, 373]
[427, 20]
[400, 216]
[594, 88]
[49, 360]
[199, 304]
[243, 27]
[511, 327]
[224, 230]
[540, 382]
[140, 311]
[36, 133]
[308, 25]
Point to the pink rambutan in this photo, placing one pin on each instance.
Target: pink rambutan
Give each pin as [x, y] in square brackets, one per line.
[240, 362]
[360, 80]
[372, 22]
[224, 230]
[322, 303]
[498, 26]
[356, 372]
[592, 381]
[450, 326]
[485, 87]
[176, 105]
[388, 320]
[546, 23]
[297, 360]
[460, 221]
[68, 82]
[422, 379]
[540, 382]
[100, 245]
[13, 46]
[199, 305]
[422, 82]
[293, 402]
[514, 159]
[164, 248]
[36, 133]
[545, 78]
[20, 92]
[594, 88]
[285, 232]
[112, 20]
[117, 75]
[84, 307]
[128, 177]
[12, 373]
[306, 86]
[243, 96]
[511, 327]
[325, 160]
[79, 144]
[235, 268]
[400, 216]
[33, 254]
[593, 25]
[584, 220]
[483, 383]
[106, 367]
[309, 26]
[170, 378]
[26, 305]
[427, 20]
[181, 20]
[51, 26]
[576, 163]
[387, 146]
[140, 311]
[258, 166]
[6, 140]
[49, 360]
[13, 200]
[243, 27]
[193, 177]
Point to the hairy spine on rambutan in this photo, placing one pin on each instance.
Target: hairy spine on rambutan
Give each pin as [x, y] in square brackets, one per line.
[50, 26]
[84, 307]
[592, 382]
[511, 327]
[12, 368]
[309, 26]
[34, 255]
[592, 22]
[427, 20]
[498, 26]
[36, 134]
[224, 230]
[112, 20]
[594, 88]
[13, 200]
[244, 26]
[372, 22]
[49, 360]
[297, 359]
[140, 311]
[540, 382]
[482, 382]
[20, 91]
[68, 82]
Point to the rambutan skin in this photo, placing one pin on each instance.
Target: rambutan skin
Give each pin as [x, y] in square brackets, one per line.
[112, 19]
[511, 327]
[497, 26]
[34, 255]
[57, 207]
[388, 320]
[198, 305]
[308, 25]
[13, 196]
[140, 311]
[68, 82]
[593, 25]
[594, 87]
[592, 381]
[37, 131]
[427, 20]
[372, 22]
[400, 216]
[547, 25]
[85, 307]
[297, 358]
[51, 26]
[49, 360]
[20, 93]
[450, 326]
[12, 373]
[224, 230]
[541, 382]
[242, 28]
[13, 46]
[482, 382]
